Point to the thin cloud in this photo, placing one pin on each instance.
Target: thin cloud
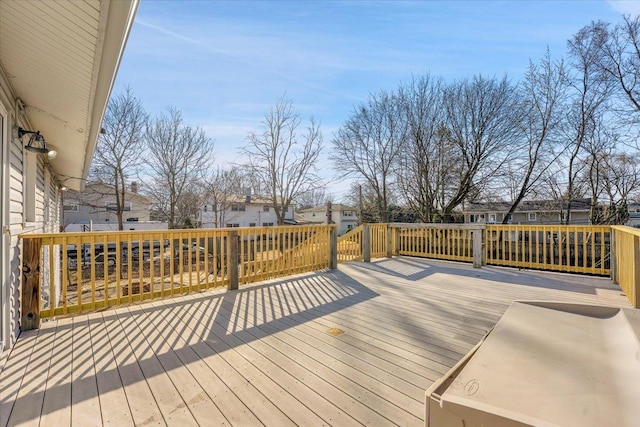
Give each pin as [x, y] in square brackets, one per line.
[631, 7]
[261, 65]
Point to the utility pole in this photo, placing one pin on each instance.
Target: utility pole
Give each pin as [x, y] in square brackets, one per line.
[329, 213]
[359, 204]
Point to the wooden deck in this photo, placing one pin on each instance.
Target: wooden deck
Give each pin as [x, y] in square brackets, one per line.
[358, 345]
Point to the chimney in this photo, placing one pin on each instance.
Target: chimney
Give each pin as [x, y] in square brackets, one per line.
[134, 187]
[329, 213]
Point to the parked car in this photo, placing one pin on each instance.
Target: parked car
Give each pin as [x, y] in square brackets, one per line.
[72, 259]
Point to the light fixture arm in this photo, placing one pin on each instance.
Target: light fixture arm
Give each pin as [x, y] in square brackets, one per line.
[23, 132]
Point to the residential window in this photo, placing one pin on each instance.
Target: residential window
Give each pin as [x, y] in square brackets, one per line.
[472, 218]
[510, 217]
[70, 206]
[267, 224]
[252, 224]
[238, 208]
[349, 227]
[265, 208]
[233, 225]
[492, 218]
[112, 206]
[348, 213]
[532, 216]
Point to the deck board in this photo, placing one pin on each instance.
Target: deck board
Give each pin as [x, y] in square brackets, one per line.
[144, 409]
[262, 355]
[171, 404]
[85, 403]
[114, 407]
[262, 372]
[33, 385]
[56, 408]
[230, 406]
[13, 374]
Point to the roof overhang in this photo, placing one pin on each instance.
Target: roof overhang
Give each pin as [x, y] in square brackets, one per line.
[61, 59]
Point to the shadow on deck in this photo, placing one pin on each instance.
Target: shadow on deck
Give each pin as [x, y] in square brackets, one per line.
[346, 347]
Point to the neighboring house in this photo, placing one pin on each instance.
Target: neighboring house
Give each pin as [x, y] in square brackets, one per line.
[345, 217]
[58, 62]
[534, 212]
[96, 204]
[634, 215]
[240, 211]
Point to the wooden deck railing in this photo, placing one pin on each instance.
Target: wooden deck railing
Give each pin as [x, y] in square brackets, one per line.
[76, 272]
[88, 271]
[441, 241]
[350, 245]
[567, 248]
[626, 261]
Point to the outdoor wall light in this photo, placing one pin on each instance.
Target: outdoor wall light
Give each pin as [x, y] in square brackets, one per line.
[36, 143]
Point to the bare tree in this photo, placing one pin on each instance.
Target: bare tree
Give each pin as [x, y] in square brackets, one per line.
[365, 198]
[178, 156]
[620, 60]
[221, 186]
[312, 198]
[543, 93]
[283, 156]
[422, 169]
[482, 118]
[368, 146]
[590, 90]
[120, 148]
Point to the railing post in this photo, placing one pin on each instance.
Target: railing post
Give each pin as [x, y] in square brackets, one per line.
[476, 237]
[30, 316]
[366, 243]
[333, 247]
[233, 258]
[612, 255]
[389, 241]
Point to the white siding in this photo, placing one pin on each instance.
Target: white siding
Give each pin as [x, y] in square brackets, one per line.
[17, 225]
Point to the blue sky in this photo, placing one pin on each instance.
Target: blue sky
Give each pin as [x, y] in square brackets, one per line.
[225, 63]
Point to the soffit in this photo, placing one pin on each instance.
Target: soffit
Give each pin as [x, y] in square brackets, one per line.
[60, 59]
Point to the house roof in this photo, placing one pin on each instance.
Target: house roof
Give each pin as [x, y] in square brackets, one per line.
[248, 199]
[106, 191]
[334, 207]
[99, 187]
[531, 206]
[60, 60]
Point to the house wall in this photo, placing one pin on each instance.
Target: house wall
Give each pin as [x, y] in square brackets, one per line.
[541, 218]
[45, 215]
[91, 206]
[345, 220]
[253, 214]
